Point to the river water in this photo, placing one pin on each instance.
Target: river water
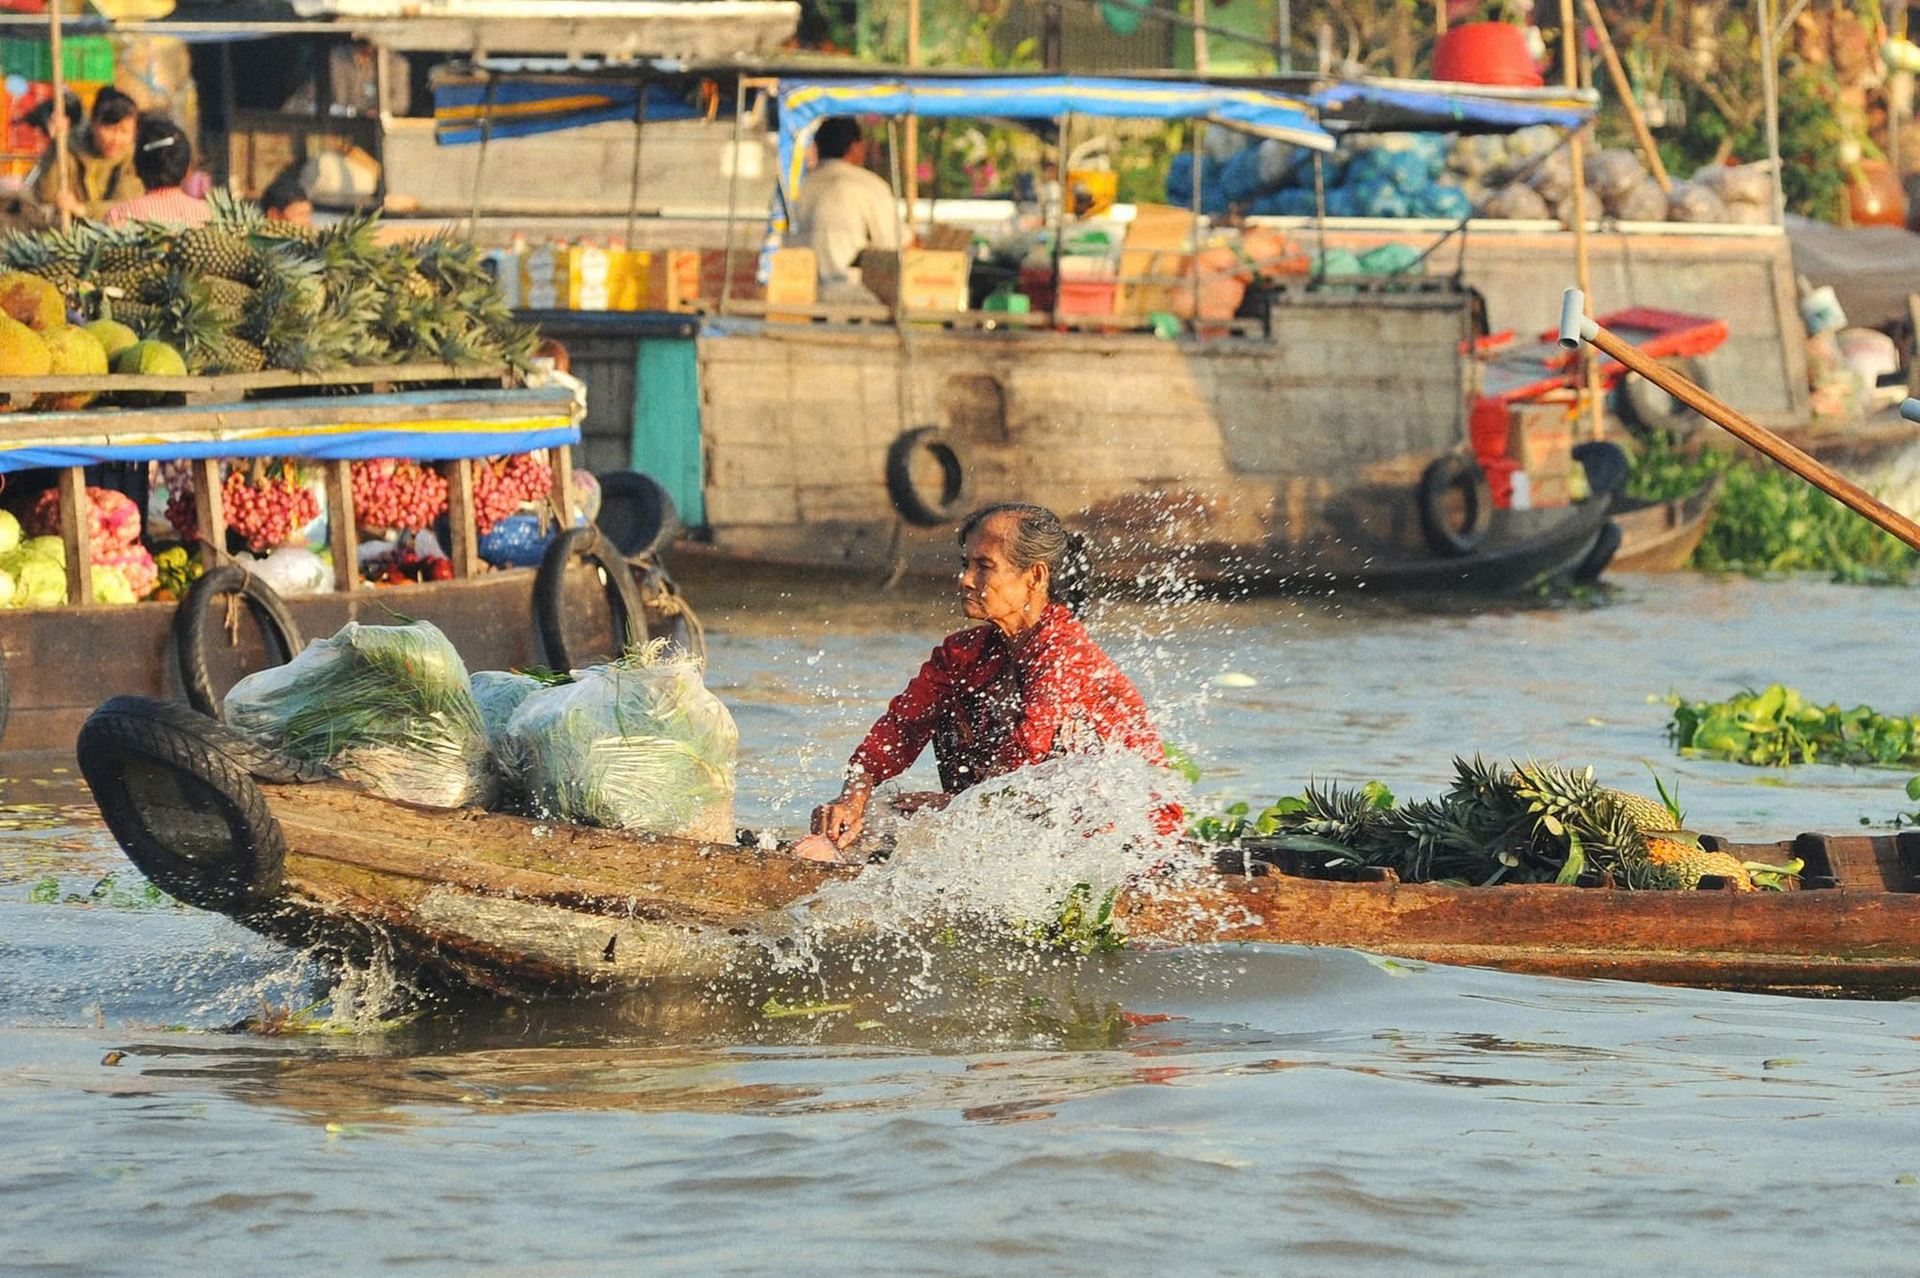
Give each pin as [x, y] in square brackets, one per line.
[1254, 1110]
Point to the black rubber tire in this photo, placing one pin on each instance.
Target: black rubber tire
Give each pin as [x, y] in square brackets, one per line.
[144, 761]
[1647, 408]
[257, 759]
[550, 586]
[1604, 549]
[915, 506]
[1443, 475]
[1607, 466]
[637, 514]
[192, 617]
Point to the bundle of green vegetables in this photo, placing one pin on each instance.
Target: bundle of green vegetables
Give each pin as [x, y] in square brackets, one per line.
[389, 707]
[639, 744]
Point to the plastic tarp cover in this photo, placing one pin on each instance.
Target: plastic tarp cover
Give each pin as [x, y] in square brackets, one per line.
[521, 107]
[1872, 269]
[259, 429]
[805, 103]
[1417, 106]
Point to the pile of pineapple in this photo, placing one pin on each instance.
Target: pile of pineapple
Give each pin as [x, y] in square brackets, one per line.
[240, 293]
[1527, 823]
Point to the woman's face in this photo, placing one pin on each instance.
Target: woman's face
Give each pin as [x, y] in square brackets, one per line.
[115, 140]
[991, 588]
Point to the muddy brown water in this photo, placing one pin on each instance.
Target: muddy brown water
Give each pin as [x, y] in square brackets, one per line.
[1257, 1110]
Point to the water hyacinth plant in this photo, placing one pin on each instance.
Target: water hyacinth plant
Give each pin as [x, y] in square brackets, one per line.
[1779, 727]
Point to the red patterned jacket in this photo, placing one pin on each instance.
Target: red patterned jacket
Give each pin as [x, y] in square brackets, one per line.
[990, 705]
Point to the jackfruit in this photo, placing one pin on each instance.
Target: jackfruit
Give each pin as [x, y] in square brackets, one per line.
[32, 301]
[76, 353]
[9, 532]
[23, 353]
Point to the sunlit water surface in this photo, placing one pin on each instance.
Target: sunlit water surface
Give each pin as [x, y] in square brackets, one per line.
[1253, 1110]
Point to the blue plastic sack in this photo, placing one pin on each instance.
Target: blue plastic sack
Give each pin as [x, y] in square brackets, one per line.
[1336, 262]
[1180, 179]
[1442, 201]
[1340, 203]
[1240, 176]
[1379, 199]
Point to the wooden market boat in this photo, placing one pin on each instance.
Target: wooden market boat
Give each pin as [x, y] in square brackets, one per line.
[467, 898]
[57, 662]
[1661, 536]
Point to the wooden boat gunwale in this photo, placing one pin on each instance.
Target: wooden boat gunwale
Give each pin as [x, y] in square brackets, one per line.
[525, 907]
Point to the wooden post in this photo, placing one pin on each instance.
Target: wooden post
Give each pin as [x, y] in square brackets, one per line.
[1577, 161]
[911, 154]
[1913, 359]
[75, 535]
[560, 458]
[210, 507]
[1439, 17]
[57, 122]
[343, 533]
[463, 540]
[1618, 74]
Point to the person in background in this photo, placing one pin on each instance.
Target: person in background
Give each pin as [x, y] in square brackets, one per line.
[285, 200]
[162, 157]
[100, 168]
[842, 209]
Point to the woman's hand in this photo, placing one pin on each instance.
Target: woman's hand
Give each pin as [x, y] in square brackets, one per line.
[841, 819]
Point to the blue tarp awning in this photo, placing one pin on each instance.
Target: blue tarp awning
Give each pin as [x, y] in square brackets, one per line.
[350, 428]
[523, 106]
[1436, 106]
[805, 103]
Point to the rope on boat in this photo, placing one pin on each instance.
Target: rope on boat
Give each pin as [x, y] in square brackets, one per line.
[658, 594]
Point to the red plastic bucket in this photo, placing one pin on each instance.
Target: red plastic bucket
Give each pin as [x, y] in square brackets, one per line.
[1485, 53]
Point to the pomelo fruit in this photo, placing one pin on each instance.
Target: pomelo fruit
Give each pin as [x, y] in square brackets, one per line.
[112, 335]
[152, 359]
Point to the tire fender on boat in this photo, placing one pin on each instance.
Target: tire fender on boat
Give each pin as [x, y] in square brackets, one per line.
[194, 615]
[913, 504]
[1605, 547]
[185, 811]
[550, 592]
[637, 514]
[1443, 475]
[1606, 464]
[1649, 408]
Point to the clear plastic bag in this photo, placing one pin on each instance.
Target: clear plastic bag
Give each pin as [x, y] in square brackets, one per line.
[499, 693]
[639, 745]
[389, 707]
[1646, 202]
[1614, 175]
[1517, 202]
[1692, 202]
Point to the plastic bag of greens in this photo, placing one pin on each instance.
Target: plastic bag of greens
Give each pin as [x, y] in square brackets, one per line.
[639, 744]
[389, 707]
[499, 693]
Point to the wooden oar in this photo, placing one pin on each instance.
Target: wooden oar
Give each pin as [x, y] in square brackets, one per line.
[1576, 327]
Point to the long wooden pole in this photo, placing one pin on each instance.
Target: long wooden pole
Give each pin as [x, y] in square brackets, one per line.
[1577, 161]
[911, 166]
[57, 119]
[1618, 74]
[1748, 432]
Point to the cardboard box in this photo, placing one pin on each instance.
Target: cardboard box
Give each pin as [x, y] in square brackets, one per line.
[572, 277]
[917, 279]
[794, 277]
[1548, 490]
[1541, 437]
[662, 280]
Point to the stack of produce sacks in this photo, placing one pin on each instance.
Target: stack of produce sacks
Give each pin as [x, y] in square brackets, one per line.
[388, 707]
[639, 744]
[1375, 175]
[36, 569]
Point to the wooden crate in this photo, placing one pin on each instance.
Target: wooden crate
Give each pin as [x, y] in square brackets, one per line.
[917, 279]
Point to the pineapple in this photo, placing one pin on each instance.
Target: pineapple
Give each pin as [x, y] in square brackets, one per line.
[227, 297]
[213, 250]
[1643, 812]
[1680, 862]
[229, 353]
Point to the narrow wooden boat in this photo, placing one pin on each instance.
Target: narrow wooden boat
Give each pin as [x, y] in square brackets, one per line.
[522, 907]
[1661, 536]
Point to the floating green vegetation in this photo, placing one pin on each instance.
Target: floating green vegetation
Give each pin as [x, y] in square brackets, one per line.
[1778, 727]
[1663, 470]
[1769, 521]
[1079, 926]
[109, 892]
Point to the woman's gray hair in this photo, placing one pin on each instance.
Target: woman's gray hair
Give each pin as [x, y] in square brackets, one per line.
[1040, 538]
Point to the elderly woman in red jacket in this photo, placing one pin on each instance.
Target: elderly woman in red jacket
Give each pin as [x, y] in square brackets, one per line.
[1027, 686]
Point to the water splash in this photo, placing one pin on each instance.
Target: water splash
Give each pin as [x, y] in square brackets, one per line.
[998, 861]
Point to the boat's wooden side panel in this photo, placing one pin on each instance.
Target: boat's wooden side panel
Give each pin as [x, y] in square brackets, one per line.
[1833, 939]
[1661, 538]
[62, 662]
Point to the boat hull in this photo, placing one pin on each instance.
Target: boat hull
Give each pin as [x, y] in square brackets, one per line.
[1661, 537]
[520, 907]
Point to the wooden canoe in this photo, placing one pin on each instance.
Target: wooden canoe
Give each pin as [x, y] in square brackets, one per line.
[1661, 536]
[522, 907]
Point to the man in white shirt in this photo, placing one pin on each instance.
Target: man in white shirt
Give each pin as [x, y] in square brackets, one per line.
[842, 209]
